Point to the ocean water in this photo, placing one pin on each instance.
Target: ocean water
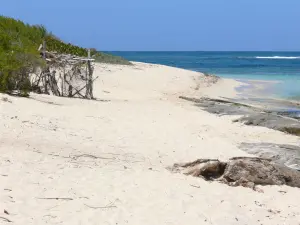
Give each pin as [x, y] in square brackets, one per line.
[278, 66]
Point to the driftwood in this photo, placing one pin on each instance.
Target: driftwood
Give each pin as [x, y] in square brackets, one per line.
[75, 157]
[5, 219]
[65, 199]
[71, 90]
[241, 171]
[101, 207]
[90, 90]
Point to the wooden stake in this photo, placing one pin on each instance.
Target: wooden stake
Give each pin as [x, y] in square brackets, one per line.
[44, 49]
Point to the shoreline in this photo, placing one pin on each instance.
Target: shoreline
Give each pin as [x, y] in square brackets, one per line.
[255, 85]
[275, 89]
[254, 92]
[112, 154]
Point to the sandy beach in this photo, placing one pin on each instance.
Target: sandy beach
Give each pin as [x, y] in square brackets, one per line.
[75, 161]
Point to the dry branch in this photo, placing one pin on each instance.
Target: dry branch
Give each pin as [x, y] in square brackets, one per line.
[75, 157]
[5, 219]
[78, 91]
[102, 207]
[194, 186]
[66, 199]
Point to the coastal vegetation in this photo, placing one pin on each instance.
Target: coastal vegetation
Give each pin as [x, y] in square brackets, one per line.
[19, 55]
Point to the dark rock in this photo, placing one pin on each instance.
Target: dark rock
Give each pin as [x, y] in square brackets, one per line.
[241, 171]
[273, 121]
[288, 155]
[253, 116]
[291, 130]
[220, 106]
[290, 113]
[260, 172]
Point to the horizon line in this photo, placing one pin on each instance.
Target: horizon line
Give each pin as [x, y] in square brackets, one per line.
[199, 50]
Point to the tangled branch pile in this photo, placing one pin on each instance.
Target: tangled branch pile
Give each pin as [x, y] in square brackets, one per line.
[65, 75]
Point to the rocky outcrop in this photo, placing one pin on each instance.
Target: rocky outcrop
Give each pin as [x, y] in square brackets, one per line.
[241, 171]
[288, 155]
[252, 116]
[272, 121]
[221, 106]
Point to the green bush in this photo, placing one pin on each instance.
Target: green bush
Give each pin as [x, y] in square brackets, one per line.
[19, 56]
[111, 59]
[54, 44]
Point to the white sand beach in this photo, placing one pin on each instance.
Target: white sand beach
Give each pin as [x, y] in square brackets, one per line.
[74, 161]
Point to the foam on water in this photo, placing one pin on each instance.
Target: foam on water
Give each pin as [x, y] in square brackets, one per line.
[277, 57]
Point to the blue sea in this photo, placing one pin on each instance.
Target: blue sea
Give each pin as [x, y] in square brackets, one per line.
[278, 66]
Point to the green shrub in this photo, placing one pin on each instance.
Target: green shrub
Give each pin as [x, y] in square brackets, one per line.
[19, 56]
[54, 44]
[111, 59]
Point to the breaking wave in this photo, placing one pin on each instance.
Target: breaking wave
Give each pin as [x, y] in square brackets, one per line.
[277, 57]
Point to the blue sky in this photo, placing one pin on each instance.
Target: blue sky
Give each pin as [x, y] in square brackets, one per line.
[171, 25]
